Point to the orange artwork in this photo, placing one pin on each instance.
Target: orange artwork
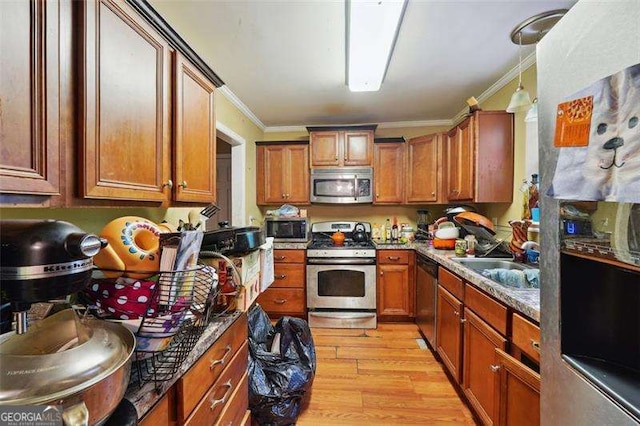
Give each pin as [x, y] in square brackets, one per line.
[573, 123]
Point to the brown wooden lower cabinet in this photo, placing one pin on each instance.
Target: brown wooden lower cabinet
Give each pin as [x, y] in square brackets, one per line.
[449, 332]
[480, 378]
[161, 414]
[287, 293]
[518, 393]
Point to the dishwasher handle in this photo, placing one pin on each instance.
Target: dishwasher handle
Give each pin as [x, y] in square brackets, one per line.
[428, 265]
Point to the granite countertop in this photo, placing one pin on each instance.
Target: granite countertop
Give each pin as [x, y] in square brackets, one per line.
[145, 397]
[526, 301]
[291, 246]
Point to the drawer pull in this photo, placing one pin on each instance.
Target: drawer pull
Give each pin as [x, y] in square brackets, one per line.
[222, 360]
[393, 257]
[279, 257]
[280, 301]
[222, 400]
[281, 277]
[535, 345]
[494, 368]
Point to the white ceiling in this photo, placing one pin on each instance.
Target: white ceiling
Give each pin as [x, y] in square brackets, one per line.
[285, 60]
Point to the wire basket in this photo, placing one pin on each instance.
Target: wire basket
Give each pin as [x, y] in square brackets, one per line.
[167, 312]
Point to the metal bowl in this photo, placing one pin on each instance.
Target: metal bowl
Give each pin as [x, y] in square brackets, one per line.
[81, 364]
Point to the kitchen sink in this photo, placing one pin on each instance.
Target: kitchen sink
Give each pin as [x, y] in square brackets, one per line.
[481, 263]
[504, 278]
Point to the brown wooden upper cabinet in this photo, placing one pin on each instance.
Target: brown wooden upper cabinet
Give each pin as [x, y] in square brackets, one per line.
[29, 97]
[479, 160]
[125, 146]
[336, 147]
[388, 166]
[424, 169]
[195, 135]
[281, 172]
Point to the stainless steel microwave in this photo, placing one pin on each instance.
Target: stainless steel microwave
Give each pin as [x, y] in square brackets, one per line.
[287, 229]
[342, 186]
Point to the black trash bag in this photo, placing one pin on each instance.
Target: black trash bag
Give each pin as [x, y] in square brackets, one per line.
[278, 383]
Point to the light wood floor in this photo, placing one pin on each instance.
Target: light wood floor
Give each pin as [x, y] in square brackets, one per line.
[380, 377]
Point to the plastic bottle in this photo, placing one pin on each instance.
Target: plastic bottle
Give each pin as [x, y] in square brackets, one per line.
[375, 232]
[387, 231]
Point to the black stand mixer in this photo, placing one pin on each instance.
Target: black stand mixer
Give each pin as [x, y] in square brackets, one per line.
[43, 260]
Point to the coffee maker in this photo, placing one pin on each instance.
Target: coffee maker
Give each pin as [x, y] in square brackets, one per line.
[41, 260]
[424, 219]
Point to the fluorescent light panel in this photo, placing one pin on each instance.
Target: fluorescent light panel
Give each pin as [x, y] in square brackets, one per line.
[372, 27]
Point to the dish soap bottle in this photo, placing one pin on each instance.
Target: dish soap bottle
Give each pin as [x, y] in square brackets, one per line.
[387, 231]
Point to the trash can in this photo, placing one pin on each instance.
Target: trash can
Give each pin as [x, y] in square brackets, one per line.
[282, 365]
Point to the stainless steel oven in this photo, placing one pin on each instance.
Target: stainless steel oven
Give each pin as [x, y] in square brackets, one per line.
[341, 280]
[342, 186]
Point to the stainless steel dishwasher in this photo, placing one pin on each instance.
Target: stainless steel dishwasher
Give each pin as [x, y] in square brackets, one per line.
[426, 302]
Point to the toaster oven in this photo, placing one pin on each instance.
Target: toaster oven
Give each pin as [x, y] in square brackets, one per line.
[287, 229]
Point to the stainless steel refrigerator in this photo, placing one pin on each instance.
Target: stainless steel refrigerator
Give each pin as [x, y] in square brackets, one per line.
[593, 40]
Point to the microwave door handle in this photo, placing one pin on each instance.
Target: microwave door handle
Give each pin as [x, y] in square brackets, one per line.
[355, 189]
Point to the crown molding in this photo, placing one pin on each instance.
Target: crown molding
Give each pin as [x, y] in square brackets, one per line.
[386, 125]
[527, 63]
[231, 97]
[418, 123]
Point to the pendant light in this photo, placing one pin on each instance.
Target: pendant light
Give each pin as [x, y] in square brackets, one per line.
[527, 32]
[520, 100]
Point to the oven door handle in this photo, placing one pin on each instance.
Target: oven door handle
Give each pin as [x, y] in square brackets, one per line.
[338, 261]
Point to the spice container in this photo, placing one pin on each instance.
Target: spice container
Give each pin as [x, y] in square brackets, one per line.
[461, 247]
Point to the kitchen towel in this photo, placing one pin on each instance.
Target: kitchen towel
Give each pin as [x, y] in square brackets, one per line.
[605, 164]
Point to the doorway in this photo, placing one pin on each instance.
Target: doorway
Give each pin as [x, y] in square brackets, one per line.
[234, 146]
[223, 182]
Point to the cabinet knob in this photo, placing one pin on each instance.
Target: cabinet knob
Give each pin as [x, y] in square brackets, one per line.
[535, 345]
[168, 184]
[377, 195]
[494, 368]
[183, 184]
[288, 195]
[381, 273]
[433, 193]
[284, 195]
[463, 320]
[456, 313]
[279, 257]
[280, 301]
[280, 277]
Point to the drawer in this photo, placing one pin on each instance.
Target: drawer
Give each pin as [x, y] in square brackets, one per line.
[236, 408]
[526, 336]
[288, 256]
[195, 383]
[394, 256]
[489, 309]
[282, 300]
[246, 420]
[289, 275]
[213, 403]
[451, 282]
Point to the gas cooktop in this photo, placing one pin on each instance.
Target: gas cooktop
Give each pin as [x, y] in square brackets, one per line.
[328, 244]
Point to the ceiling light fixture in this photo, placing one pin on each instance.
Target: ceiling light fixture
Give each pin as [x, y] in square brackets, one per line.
[372, 29]
[530, 31]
